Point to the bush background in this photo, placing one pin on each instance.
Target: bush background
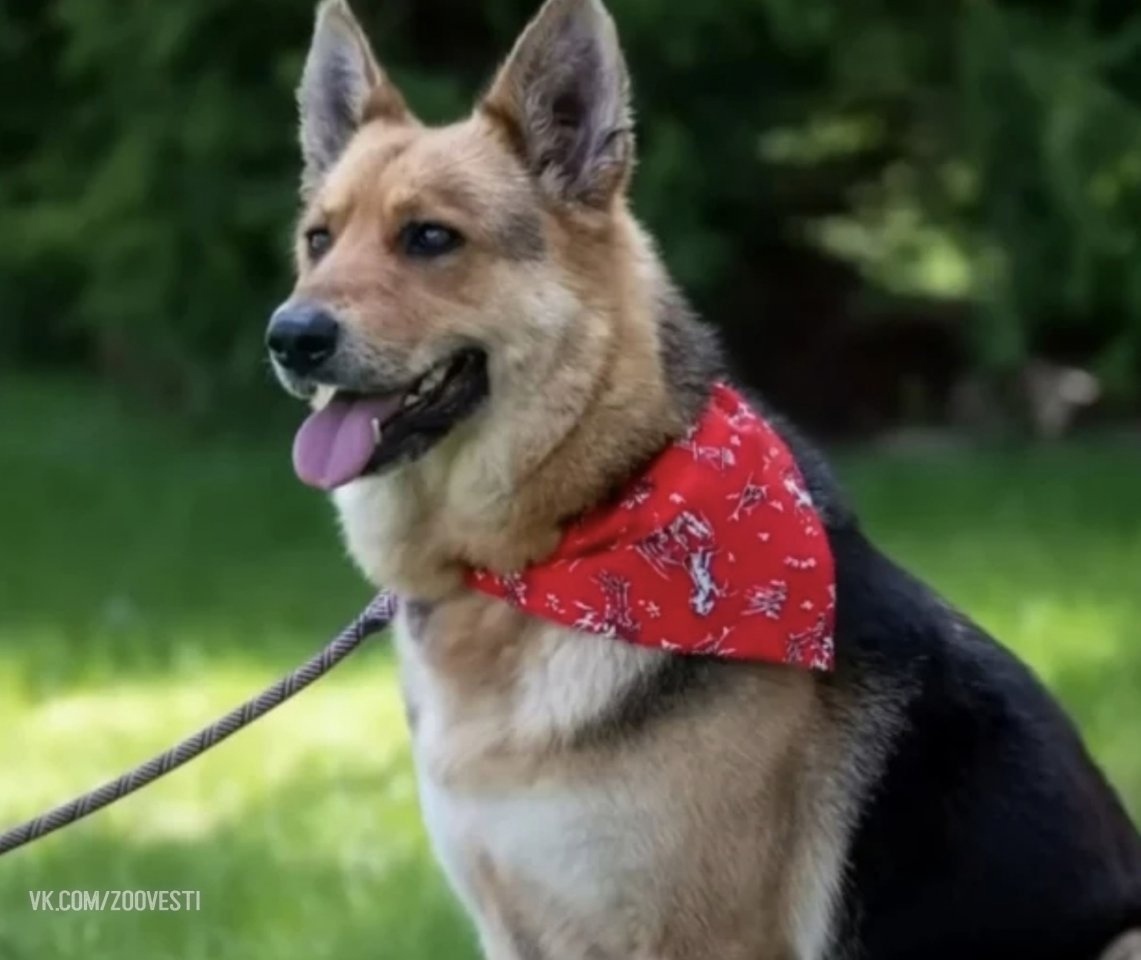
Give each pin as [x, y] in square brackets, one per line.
[876, 199]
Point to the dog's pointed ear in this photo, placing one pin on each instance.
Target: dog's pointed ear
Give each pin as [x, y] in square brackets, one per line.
[564, 98]
[342, 87]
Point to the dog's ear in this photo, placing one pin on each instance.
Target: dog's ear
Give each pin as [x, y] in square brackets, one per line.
[564, 98]
[341, 88]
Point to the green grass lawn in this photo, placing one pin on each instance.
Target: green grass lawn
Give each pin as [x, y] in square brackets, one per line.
[150, 580]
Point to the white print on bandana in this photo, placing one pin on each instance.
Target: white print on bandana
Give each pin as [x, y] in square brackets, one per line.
[653, 611]
[767, 601]
[812, 647]
[616, 618]
[640, 493]
[669, 546]
[742, 418]
[717, 457]
[516, 588]
[687, 543]
[715, 645]
[801, 498]
[705, 589]
[747, 499]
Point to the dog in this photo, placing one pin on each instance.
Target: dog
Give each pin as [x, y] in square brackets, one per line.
[492, 347]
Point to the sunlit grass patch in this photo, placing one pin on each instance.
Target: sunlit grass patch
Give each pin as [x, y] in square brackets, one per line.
[151, 580]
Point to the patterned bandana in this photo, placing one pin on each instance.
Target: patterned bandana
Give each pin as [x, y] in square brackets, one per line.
[715, 549]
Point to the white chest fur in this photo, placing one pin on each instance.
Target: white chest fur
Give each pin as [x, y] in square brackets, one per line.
[493, 774]
[642, 849]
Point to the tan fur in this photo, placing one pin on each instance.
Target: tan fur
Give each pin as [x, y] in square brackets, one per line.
[585, 397]
[708, 840]
[717, 833]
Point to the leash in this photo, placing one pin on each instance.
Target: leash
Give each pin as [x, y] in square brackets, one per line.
[376, 616]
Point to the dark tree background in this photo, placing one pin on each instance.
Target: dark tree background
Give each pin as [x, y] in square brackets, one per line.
[899, 211]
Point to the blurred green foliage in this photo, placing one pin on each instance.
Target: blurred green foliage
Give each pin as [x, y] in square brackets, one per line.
[988, 153]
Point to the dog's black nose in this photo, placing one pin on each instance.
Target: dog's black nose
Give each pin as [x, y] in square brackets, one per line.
[302, 336]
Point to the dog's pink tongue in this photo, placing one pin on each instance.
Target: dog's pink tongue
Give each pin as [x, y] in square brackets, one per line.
[335, 444]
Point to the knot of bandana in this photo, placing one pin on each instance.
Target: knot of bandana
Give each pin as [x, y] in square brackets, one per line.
[715, 549]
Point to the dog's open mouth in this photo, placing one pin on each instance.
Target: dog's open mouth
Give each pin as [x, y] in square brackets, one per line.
[356, 434]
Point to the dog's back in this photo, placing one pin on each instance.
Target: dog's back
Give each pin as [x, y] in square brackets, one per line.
[990, 832]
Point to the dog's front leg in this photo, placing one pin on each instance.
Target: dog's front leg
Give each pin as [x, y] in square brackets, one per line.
[516, 924]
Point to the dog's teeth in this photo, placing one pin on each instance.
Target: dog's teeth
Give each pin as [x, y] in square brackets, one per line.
[428, 383]
[322, 396]
[377, 431]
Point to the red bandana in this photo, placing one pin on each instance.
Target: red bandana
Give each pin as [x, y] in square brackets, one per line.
[715, 549]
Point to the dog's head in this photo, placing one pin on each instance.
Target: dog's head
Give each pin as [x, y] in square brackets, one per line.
[443, 272]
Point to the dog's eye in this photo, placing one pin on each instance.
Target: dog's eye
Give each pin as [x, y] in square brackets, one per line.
[422, 239]
[318, 240]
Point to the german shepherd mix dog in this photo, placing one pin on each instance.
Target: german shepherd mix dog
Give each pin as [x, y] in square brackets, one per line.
[493, 348]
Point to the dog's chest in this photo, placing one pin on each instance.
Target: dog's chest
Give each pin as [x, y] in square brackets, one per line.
[549, 845]
[599, 841]
[495, 701]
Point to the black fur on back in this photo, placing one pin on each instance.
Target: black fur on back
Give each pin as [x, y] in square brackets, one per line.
[990, 834]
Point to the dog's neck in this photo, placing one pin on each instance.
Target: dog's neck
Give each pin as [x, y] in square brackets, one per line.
[562, 430]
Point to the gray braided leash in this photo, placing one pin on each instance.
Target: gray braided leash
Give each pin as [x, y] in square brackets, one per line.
[376, 616]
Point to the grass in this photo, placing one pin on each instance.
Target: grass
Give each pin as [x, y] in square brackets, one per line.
[149, 580]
